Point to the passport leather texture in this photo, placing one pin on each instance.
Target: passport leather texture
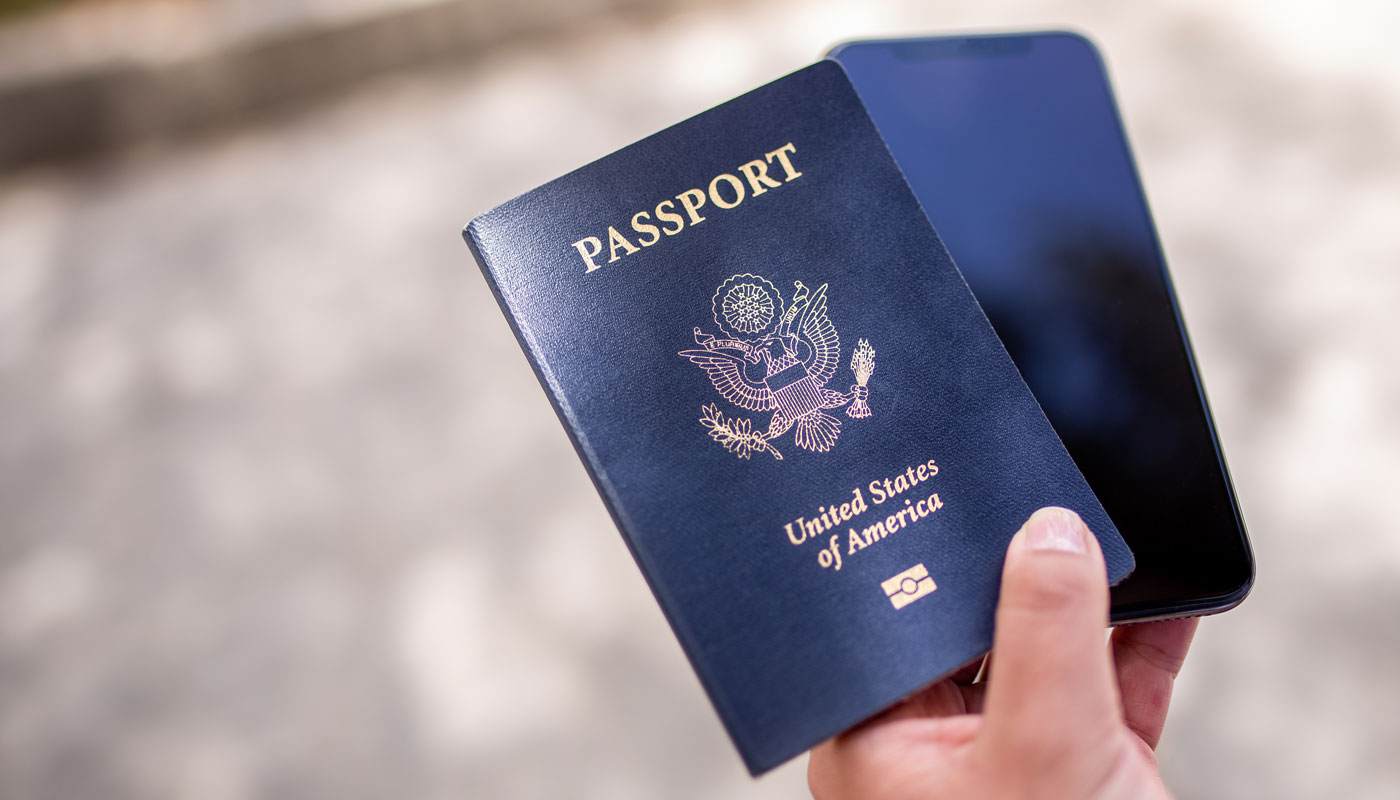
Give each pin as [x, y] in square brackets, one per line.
[808, 434]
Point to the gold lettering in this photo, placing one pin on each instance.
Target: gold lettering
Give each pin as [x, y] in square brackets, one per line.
[669, 216]
[796, 539]
[692, 199]
[597, 247]
[732, 181]
[615, 239]
[875, 532]
[757, 174]
[856, 543]
[858, 505]
[829, 518]
[649, 230]
[834, 548]
[781, 155]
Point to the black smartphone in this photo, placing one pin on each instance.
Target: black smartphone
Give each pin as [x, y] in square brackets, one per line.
[1014, 146]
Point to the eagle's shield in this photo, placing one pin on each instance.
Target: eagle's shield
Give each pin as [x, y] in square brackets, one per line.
[795, 391]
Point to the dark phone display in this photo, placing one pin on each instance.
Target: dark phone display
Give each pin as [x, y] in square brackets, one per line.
[1014, 147]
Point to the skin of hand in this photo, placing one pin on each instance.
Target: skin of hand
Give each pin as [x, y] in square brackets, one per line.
[1061, 715]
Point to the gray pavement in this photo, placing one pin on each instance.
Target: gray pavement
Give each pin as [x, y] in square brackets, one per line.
[286, 515]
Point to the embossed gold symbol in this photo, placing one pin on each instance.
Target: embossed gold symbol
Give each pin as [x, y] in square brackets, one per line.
[778, 358]
[908, 586]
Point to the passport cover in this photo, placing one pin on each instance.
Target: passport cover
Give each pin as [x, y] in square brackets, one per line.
[806, 430]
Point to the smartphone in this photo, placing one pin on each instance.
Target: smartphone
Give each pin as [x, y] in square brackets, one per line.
[1014, 146]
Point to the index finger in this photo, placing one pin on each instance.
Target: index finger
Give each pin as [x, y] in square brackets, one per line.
[1148, 658]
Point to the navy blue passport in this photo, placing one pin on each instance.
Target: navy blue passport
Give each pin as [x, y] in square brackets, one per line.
[802, 423]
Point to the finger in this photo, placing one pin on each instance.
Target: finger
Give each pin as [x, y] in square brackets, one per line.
[1051, 666]
[941, 699]
[974, 697]
[1148, 658]
[891, 760]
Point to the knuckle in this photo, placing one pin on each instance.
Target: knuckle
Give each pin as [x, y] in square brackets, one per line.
[1153, 655]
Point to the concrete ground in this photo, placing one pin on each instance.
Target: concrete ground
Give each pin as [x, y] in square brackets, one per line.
[285, 513]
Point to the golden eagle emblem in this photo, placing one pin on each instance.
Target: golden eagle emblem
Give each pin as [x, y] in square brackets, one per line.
[777, 357]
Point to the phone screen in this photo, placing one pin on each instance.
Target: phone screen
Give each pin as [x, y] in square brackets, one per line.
[1014, 147]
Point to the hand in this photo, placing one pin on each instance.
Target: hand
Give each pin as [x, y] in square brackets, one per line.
[1061, 717]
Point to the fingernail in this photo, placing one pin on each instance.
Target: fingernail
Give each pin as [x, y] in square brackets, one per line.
[1055, 528]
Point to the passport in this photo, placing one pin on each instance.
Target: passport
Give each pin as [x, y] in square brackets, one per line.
[809, 436]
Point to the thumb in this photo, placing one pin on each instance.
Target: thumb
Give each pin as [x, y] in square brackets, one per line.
[1052, 683]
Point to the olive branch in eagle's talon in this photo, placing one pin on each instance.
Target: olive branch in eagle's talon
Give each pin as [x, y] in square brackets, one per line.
[737, 435]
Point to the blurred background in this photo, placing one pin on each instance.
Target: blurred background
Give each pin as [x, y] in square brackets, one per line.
[284, 514]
